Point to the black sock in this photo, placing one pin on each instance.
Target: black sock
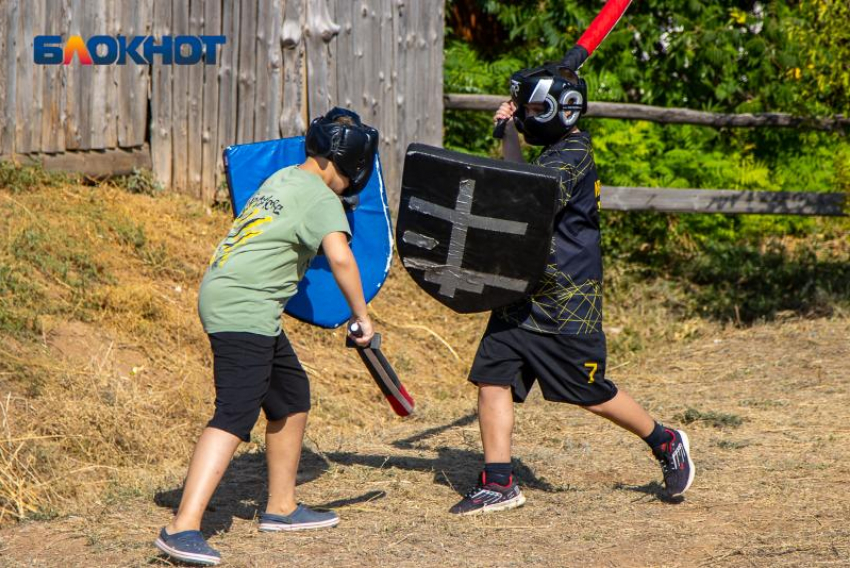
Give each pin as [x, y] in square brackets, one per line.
[658, 436]
[498, 473]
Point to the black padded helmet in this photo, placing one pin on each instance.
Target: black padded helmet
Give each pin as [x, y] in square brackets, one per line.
[557, 87]
[351, 147]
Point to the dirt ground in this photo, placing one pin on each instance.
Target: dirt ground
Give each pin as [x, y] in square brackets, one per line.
[767, 410]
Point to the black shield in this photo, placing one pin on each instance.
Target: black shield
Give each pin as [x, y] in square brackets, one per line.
[474, 233]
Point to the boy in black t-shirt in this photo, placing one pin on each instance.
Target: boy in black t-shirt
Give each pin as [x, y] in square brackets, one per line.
[555, 335]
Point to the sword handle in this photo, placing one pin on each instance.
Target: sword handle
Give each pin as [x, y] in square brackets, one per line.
[499, 129]
[355, 330]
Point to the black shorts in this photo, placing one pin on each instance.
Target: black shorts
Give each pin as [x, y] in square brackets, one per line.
[570, 368]
[251, 372]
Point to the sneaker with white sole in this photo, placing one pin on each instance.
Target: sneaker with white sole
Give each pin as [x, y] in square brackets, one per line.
[188, 547]
[303, 518]
[489, 497]
[676, 465]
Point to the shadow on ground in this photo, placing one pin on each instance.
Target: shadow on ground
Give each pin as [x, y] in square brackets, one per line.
[243, 490]
[452, 467]
[654, 489]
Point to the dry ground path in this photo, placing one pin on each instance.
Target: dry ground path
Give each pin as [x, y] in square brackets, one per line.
[770, 431]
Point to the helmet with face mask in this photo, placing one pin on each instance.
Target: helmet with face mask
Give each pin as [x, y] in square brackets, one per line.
[350, 147]
[562, 94]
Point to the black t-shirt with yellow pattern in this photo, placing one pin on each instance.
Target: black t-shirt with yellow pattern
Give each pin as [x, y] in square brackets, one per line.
[568, 299]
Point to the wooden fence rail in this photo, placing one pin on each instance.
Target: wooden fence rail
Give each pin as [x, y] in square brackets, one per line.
[664, 115]
[726, 201]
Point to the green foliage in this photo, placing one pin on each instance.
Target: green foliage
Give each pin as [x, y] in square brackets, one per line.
[59, 256]
[741, 282]
[140, 181]
[823, 35]
[16, 292]
[18, 178]
[778, 56]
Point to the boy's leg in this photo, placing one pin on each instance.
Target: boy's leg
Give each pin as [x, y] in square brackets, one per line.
[212, 455]
[286, 406]
[283, 453]
[496, 489]
[496, 420]
[626, 413]
[670, 447]
[497, 371]
[241, 367]
[571, 368]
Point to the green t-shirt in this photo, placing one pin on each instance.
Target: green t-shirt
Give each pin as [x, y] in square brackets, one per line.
[256, 268]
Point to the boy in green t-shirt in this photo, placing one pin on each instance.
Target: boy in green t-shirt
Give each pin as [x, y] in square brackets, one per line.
[253, 272]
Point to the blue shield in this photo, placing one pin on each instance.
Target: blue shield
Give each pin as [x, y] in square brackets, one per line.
[319, 300]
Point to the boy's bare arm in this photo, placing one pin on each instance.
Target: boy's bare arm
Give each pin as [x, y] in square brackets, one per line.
[511, 150]
[347, 276]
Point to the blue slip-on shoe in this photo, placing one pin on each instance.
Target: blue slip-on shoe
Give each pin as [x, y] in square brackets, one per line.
[302, 518]
[187, 546]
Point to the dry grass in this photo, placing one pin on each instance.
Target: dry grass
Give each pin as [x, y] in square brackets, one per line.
[104, 376]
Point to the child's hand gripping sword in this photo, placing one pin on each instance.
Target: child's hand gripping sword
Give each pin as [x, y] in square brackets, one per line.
[598, 30]
[382, 372]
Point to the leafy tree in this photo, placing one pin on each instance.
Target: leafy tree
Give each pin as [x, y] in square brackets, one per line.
[738, 56]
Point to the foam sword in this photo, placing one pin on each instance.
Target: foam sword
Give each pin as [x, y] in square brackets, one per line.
[382, 372]
[598, 30]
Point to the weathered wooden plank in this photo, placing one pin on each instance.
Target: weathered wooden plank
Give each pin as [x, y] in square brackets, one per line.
[99, 97]
[434, 41]
[195, 77]
[96, 163]
[319, 31]
[371, 59]
[161, 76]
[717, 120]
[142, 77]
[344, 55]
[292, 115]
[8, 75]
[275, 61]
[247, 72]
[53, 90]
[228, 79]
[210, 148]
[74, 103]
[180, 104]
[33, 122]
[412, 96]
[402, 60]
[726, 201]
[132, 79]
[25, 77]
[87, 14]
[333, 86]
[112, 23]
[387, 79]
[663, 115]
[126, 16]
[263, 39]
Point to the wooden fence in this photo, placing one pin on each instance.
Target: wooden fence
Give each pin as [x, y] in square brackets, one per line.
[726, 201]
[666, 115]
[283, 62]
